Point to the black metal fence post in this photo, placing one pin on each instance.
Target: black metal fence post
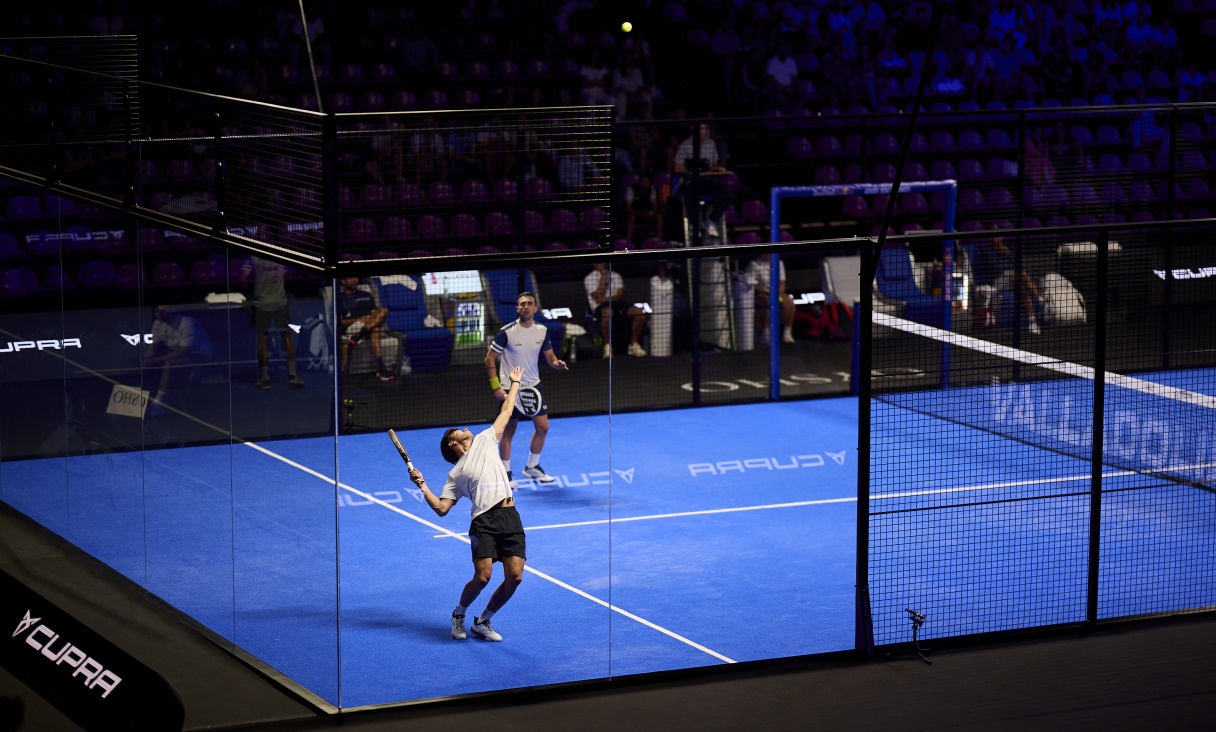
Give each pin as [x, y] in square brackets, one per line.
[1095, 488]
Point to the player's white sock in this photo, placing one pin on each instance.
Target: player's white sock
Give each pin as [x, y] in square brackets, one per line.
[265, 373]
[459, 611]
[787, 332]
[533, 459]
[291, 368]
[485, 615]
[506, 463]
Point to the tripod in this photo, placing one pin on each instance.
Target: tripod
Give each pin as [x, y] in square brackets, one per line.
[918, 619]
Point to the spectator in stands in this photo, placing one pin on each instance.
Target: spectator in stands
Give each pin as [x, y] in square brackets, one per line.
[269, 307]
[994, 272]
[1138, 36]
[753, 79]
[492, 149]
[318, 41]
[704, 160]
[1009, 79]
[606, 300]
[595, 77]
[642, 209]
[1004, 21]
[575, 169]
[727, 47]
[533, 163]
[628, 86]
[1057, 71]
[980, 71]
[759, 272]
[785, 93]
[419, 54]
[1143, 129]
[178, 342]
[1039, 168]
[359, 319]
[1191, 83]
[428, 154]
[1108, 19]
[869, 22]
[1096, 77]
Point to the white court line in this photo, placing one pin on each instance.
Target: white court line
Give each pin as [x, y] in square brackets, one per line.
[462, 537]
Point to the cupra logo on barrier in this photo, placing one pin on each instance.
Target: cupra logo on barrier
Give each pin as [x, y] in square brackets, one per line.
[94, 675]
[49, 344]
[1186, 274]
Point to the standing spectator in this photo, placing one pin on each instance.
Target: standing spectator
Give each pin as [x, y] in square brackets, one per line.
[1004, 21]
[1009, 79]
[726, 46]
[869, 21]
[980, 71]
[270, 309]
[1057, 71]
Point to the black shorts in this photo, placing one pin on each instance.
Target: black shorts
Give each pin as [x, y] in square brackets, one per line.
[516, 414]
[264, 319]
[498, 533]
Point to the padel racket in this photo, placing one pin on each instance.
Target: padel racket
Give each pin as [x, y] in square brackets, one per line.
[401, 449]
[528, 401]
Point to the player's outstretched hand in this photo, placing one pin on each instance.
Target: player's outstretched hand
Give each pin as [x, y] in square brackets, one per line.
[517, 373]
[560, 365]
[416, 477]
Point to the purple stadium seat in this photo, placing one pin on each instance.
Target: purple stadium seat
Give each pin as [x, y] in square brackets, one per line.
[347, 200]
[1030, 222]
[555, 246]
[588, 244]
[474, 191]
[60, 206]
[499, 224]
[24, 208]
[563, 220]
[1109, 163]
[208, 272]
[441, 194]
[372, 101]
[408, 194]
[375, 196]
[432, 227]
[403, 101]
[652, 242]
[731, 215]
[970, 225]
[98, 273]
[1109, 135]
[595, 218]
[382, 72]
[506, 69]
[1142, 216]
[883, 173]
[856, 207]
[915, 172]
[1139, 192]
[1081, 135]
[1058, 220]
[506, 190]
[534, 222]
[998, 139]
[942, 141]
[749, 237]
[435, 99]
[941, 170]
[537, 189]
[476, 70]
[851, 173]
[340, 102]
[971, 170]
[969, 199]
[9, 247]
[536, 69]
[488, 249]
[829, 145]
[465, 226]
[1086, 219]
[363, 230]
[754, 211]
[800, 147]
[1192, 161]
[886, 144]
[397, 228]
[1002, 168]
[150, 240]
[1196, 189]
[826, 175]
[1112, 193]
[1000, 199]
[914, 203]
[920, 145]
[132, 277]
[57, 278]
[467, 99]
[19, 281]
[971, 140]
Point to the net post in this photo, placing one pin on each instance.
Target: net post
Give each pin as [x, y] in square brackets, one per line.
[863, 621]
[774, 308]
[329, 189]
[1095, 488]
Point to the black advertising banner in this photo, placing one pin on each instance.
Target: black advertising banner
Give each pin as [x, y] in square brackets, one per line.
[89, 679]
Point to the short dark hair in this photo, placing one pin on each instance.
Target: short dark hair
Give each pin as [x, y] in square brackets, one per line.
[524, 294]
[445, 449]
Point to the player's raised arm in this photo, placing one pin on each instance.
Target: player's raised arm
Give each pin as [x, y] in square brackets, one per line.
[504, 414]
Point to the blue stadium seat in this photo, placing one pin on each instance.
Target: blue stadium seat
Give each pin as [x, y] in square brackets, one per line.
[897, 282]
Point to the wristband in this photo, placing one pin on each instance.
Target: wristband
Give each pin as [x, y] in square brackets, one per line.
[495, 384]
[516, 381]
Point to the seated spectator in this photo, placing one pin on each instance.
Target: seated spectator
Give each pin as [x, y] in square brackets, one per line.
[1009, 80]
[782, 78]
[595, 77]
[575, 169]
[419, 54]
[1039, 168]
[178, 341]
[994, 272]
[359, 319]
[427, 156]
[1057, 71]
[628, 86]
[1191, 82]
[1108, 19]
[753, 79]
[980, 71]
[707, 163]
[759, 271]
[606, 300]
[1096, 77]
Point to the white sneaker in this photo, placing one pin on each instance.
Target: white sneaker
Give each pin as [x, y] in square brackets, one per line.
[537, 473]
[607, 350]
[787, 338]
[511, 481]
[458, 627]
[635, 349]
[481, 629]
[1033, 328]
[712, 229]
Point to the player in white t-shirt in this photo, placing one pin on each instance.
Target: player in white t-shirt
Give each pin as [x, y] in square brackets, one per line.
[521, 343]
[496, 532]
